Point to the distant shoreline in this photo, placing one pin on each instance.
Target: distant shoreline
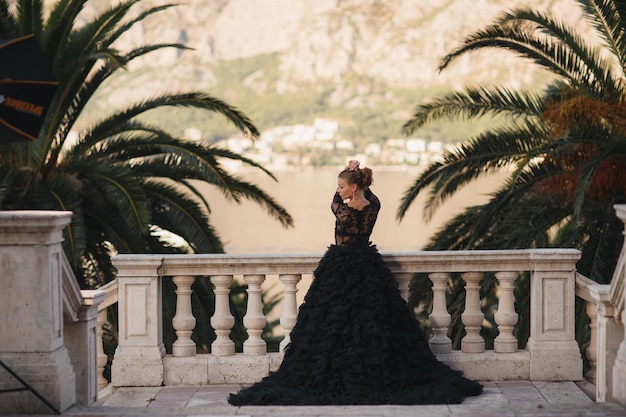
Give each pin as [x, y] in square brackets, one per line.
[412, 169]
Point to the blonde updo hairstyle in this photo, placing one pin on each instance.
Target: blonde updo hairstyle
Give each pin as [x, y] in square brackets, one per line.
[362, 177]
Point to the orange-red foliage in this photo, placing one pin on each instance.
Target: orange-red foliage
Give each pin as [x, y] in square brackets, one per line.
[610, 179]
[581, 112]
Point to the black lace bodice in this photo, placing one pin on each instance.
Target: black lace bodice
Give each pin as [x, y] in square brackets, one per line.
[352, 225]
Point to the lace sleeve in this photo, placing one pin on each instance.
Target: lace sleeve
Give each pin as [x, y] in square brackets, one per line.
[371, 214]
[337, 201]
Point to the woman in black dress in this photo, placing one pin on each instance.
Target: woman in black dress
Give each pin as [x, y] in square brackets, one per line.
[355, 340]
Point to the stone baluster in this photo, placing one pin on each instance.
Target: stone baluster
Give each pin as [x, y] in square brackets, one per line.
[101, 357]
[506, 317]
[440, 318]
[472, 317]
[592, 349]
[183, 322]
[403, 279]
[222, 321]
[290, 306]
[254, 319]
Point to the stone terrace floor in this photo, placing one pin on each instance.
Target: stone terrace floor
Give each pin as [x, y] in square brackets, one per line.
[500, 399]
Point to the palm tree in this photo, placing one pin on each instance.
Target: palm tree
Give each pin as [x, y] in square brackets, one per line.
[563, 149]
[125, 180]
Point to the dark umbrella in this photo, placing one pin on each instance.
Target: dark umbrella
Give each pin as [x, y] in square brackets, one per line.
[27, 86]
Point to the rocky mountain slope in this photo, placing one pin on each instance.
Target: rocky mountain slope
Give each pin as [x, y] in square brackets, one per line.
[343, 57]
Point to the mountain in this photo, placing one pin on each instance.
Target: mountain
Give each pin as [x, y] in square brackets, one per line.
[365, 63]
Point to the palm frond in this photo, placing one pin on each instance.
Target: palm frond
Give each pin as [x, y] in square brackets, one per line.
[192, 99]
[58, 28]
[456, 233]
[541, 49]
[232, 187]
[487, 153]
[96, 268]
[120, 189]
[123, 28]
[78, 73]
[107, 225]
[520, 183]
[620, 7]
[180, 160]
[31, 17]
[59, 193]
[605, 17]
[175, 211]
[146, 49]
[192, 187]
[156, 154]
[476, 102]
[7, 186]
[87, 81]
[94, 35]
[599, 71]
[586, 177]
[600, 251]
[8, 24]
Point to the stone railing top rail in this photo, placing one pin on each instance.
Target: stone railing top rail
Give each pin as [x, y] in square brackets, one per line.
[398, 262]
[71, 296]
[597, 294]
[110, 291]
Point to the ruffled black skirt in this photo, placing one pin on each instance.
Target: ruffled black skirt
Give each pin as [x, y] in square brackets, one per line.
[357, 342]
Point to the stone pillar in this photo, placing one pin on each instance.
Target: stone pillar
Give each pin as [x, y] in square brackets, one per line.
[81, 339]
[619, 369]
[32, 342]
[617, 295]
[138, 359]
[554, 353]
[610, 332]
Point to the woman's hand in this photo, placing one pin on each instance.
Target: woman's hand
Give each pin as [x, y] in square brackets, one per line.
[353, 165]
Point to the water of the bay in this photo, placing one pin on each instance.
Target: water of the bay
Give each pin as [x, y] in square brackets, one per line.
[307, 193]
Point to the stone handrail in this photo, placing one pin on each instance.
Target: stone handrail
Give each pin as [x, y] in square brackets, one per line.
[81, 338]
[605, 307]
[600, 312]
[72, 297]
[552, 352]
[51, 340]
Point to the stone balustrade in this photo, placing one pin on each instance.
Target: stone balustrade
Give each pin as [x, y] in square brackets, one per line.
[606, 309]
[52, 336]
[140, 360]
